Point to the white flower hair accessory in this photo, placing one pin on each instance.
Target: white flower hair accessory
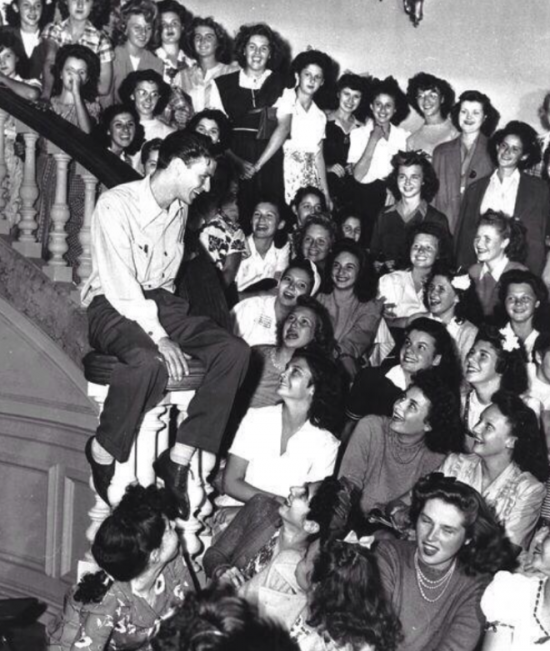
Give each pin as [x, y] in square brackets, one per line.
[461, 282]
[364, 541]
[511, 341]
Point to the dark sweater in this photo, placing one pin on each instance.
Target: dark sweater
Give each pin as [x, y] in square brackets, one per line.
[453, 623]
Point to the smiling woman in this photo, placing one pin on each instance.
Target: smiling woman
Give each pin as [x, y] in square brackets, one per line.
[435, 584]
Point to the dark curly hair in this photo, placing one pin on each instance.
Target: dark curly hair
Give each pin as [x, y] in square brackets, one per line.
[508, 228]
[366, 285]
[446, 433]
[323, 336]
[8, 41]
[220, 119]
[468, 307]
[486, 549]
[542, 344]
[541, 317]
[529, 143]
[449, 368]
[13, 15]
[430, 182]
[425, 81]
[99, 15]
[216, 619]
[331, 507]
[326, 409]
[245, 33]
[108, 115]
[148, 148]
[358, 83]
[511, 365]
[88, 90]
[224, 49]
[304, 265]
[174, 7]
[146, 8]
[445, 244]
[530, 451]
[124, 541]
[390, 86]
[128, 87]
[347, 601]
[492, 116]
[316, 219]
[327, 65]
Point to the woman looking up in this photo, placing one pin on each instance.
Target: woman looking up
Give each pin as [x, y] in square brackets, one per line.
[432, 98]
[508, 464]
[293, 442]
[459, 162]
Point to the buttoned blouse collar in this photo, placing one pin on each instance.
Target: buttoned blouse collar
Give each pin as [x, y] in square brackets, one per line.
[150, 211]
[498, 269]
[252, 83]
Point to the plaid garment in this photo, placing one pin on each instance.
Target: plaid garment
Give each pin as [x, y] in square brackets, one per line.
[92, 38]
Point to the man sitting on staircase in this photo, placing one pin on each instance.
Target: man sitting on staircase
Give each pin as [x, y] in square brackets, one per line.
[137, 248]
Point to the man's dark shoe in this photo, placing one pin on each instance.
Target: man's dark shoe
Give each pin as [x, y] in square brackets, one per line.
[175, 478]
[102, 475]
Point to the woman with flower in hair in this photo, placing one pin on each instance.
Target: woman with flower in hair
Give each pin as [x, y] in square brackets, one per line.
[499, 245]
[346, 610]
[451, 299]
[372, 147]
[523, 305]
[508, 464]
[511, 191]
[495, 361]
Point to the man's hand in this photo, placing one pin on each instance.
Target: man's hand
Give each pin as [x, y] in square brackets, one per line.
[233, 576]
[174, 357]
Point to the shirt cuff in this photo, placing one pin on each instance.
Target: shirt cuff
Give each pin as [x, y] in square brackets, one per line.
[156, 332]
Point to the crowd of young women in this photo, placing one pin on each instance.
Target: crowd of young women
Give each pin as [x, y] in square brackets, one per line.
[394, 287]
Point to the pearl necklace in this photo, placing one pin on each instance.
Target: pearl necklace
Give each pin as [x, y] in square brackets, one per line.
[424, 583]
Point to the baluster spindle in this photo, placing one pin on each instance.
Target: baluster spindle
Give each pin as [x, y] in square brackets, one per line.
[26, 240]
[57, 268]
[85, 258]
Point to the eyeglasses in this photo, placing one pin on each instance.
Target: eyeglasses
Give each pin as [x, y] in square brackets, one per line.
[147, 94]
[141, 30]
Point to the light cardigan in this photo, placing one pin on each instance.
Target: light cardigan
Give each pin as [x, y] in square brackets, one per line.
[515, 495]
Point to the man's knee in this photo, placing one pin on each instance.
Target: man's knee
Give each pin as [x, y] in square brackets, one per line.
[146, 359]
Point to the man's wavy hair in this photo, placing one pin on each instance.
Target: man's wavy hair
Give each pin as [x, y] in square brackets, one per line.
[88, 90]
[426, 81]
[186, 145]
[347, 599]
[486, 549]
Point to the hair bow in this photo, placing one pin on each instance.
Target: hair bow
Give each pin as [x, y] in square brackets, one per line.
[462, 281]
[364, 541]
[511, 341]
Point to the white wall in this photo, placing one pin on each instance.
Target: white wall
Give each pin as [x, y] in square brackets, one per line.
[500, 47]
